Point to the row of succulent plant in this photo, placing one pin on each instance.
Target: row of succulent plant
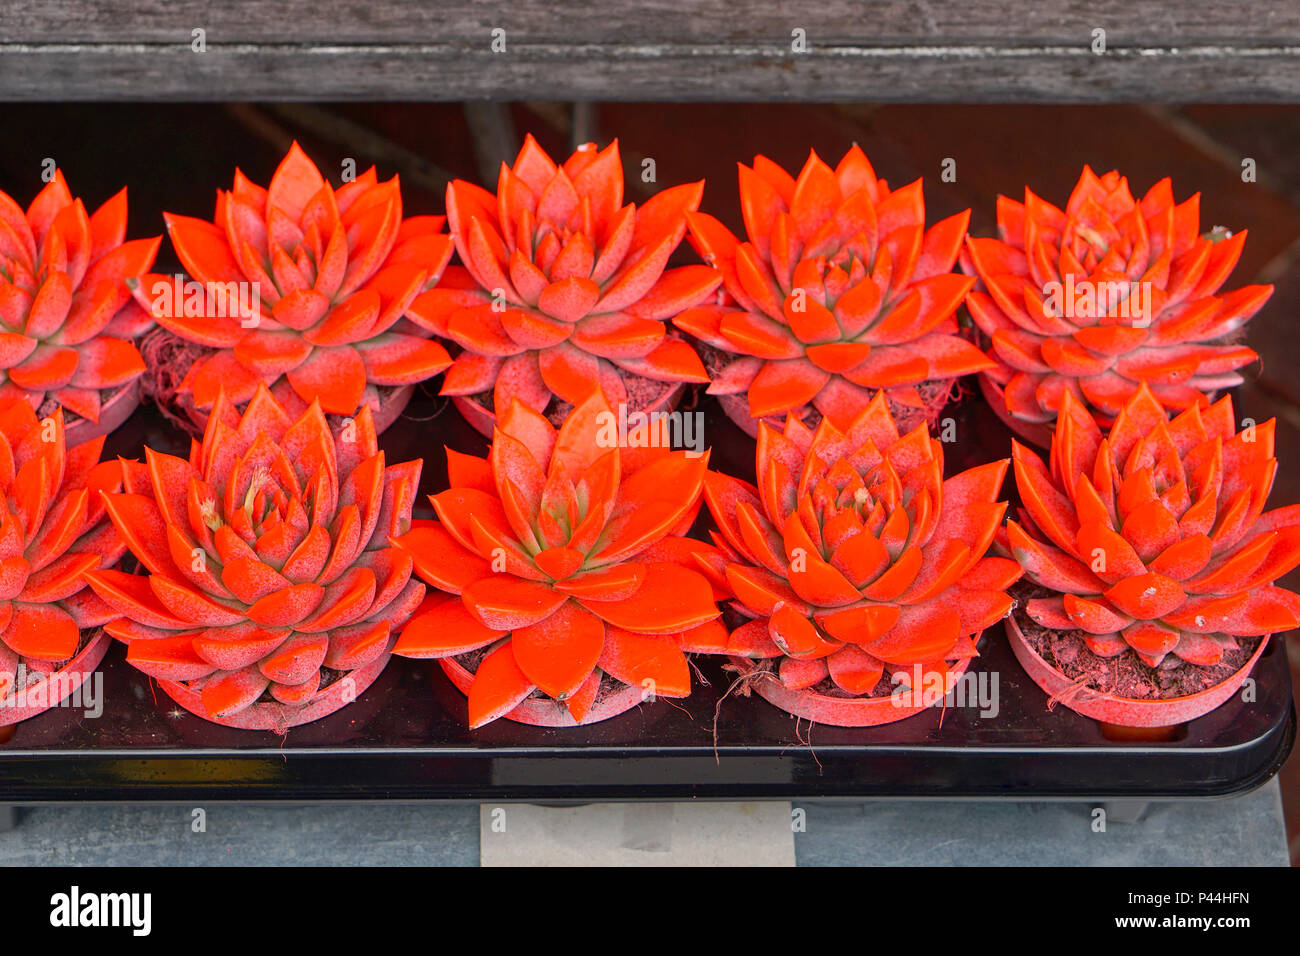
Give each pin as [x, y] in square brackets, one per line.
[838, 291]
[274, 571]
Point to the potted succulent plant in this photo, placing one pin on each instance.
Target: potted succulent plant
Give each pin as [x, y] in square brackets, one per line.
[270, 595]
[855, 566]
[839, 292]
[1149, 560]
[67, 323]
[1103, 295]
[302, 288]
[52, 532]
[565, 594]
[564, 286]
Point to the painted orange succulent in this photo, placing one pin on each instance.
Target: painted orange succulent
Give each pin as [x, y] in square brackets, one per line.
[1106, 294]
[563, 284]
[301, 287]
[1154, 536]
[67, 322]
[559, 555]
[840, 291]
[53, 530]
[269, 575]
[854, 556]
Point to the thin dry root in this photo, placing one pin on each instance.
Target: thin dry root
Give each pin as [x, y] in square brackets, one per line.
[807, 742]
[741, 686]
[1077, 689]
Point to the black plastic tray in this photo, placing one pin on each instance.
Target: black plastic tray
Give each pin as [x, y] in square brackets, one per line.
[405, 738]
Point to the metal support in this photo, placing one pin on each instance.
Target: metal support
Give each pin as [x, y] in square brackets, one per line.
[493, 130]
[582, 129]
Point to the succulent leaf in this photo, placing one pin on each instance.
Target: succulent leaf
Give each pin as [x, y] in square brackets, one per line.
[561, 548]
[267, 557]
[839, 291]
[857, 552]
[1110, 292]
[1178, 555]
[299, 287]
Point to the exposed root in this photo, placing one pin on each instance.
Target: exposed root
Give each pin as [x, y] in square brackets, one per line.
[690, 399]
[167, 359]
[741, 687]
[676, 706]
[1079, 689]
[936, 395]
[807, 742]
[437, 412]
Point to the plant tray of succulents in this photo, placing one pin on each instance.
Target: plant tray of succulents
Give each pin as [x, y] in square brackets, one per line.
[563, 497]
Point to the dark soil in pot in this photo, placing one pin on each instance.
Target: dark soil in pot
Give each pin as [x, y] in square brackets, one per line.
[1124, 675]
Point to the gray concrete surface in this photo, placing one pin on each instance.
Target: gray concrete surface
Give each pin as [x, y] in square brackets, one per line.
[1240, 831]
[239, 835]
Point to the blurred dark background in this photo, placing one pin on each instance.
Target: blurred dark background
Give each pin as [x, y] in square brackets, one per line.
[173, 157]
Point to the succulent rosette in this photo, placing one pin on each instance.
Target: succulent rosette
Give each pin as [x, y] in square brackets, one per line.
[565, 286]
[53, 529]
[1102, 296]
[302, 288]
[567, 592]
[270, 593]
[852, 558]
[67, 322]
[1153, 537]
[838, 292]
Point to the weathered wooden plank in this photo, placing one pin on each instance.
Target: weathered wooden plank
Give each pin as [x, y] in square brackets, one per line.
[680, 22]
[647, 72]
[650, 49]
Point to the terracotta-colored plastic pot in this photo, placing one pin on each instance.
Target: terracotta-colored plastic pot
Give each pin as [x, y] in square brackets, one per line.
[1125, 711]
[1038, 434]
[112, 413]
[69, 677]
[544, 712]
[278, 717]
[836, 711]
[484, 420]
